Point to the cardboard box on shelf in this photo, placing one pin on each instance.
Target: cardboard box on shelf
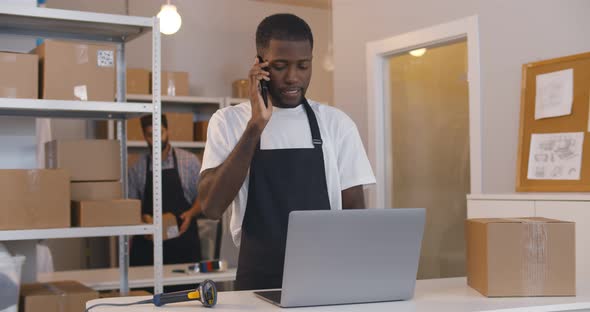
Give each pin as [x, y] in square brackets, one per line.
[174, 83]
[521, 257]
[241, 88]
[77, 71]
[134, 131]
[138, 81]
[200, 129]
[19, 75]
[90, 213]
[34, 199]
[96, 190]
[66, 296]
[180, 126]
[85, 160]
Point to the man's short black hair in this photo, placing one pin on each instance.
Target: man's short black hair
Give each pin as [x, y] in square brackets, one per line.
[286, 27]
[146, 121]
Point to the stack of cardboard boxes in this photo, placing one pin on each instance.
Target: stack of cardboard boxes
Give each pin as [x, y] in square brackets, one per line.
[63, 70]
[95, 171]
[33, 199]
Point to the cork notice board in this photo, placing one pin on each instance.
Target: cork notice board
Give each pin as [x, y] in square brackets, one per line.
[560, 157]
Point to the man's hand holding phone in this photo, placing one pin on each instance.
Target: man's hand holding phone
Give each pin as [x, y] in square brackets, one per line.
[261, 112]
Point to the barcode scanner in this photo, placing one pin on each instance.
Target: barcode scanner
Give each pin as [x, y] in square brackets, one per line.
[206, 293]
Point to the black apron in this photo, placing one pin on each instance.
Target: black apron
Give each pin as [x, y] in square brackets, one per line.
[183, 249]
[281, 181]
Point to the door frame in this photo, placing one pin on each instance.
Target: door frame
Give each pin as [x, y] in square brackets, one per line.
[378, 98]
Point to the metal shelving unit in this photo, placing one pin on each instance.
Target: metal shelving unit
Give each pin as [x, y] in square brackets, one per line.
[73, 109]
[119, 29]
[13, 235]
[180, 100]
[179, 144]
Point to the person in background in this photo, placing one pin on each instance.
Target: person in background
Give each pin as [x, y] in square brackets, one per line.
[180, 173]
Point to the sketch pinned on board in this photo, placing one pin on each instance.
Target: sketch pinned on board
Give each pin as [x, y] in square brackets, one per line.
[556, 156]
[554, 94]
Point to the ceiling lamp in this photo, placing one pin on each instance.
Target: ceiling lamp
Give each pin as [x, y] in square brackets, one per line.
[170, 20]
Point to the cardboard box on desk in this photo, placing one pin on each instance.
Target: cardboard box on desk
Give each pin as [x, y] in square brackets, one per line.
[90, 213]
[66, 296]
[96, 190]
[77, 71]
[34, 199]
[521, 257]
[19, 75]
[85, 160]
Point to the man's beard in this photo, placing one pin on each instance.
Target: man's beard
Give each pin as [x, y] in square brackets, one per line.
[164, 144]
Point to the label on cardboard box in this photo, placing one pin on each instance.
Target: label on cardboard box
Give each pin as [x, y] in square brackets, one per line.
[105, 58]
[81, 92]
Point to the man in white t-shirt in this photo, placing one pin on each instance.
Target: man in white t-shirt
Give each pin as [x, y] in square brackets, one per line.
[268, 160]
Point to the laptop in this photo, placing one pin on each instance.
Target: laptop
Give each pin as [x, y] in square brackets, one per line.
[349, 256]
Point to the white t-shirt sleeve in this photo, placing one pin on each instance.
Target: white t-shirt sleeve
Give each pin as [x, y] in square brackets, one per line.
[353, 164]
[217, 147]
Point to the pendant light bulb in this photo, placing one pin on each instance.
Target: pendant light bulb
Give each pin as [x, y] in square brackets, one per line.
[170, 20]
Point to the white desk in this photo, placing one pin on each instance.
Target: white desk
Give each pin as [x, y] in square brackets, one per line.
[107, 279]
[450, 294]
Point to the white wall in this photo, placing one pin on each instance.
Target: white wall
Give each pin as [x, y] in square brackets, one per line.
[511, 33]
[216, 41]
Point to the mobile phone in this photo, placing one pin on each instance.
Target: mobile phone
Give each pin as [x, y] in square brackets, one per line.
[263, 84]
